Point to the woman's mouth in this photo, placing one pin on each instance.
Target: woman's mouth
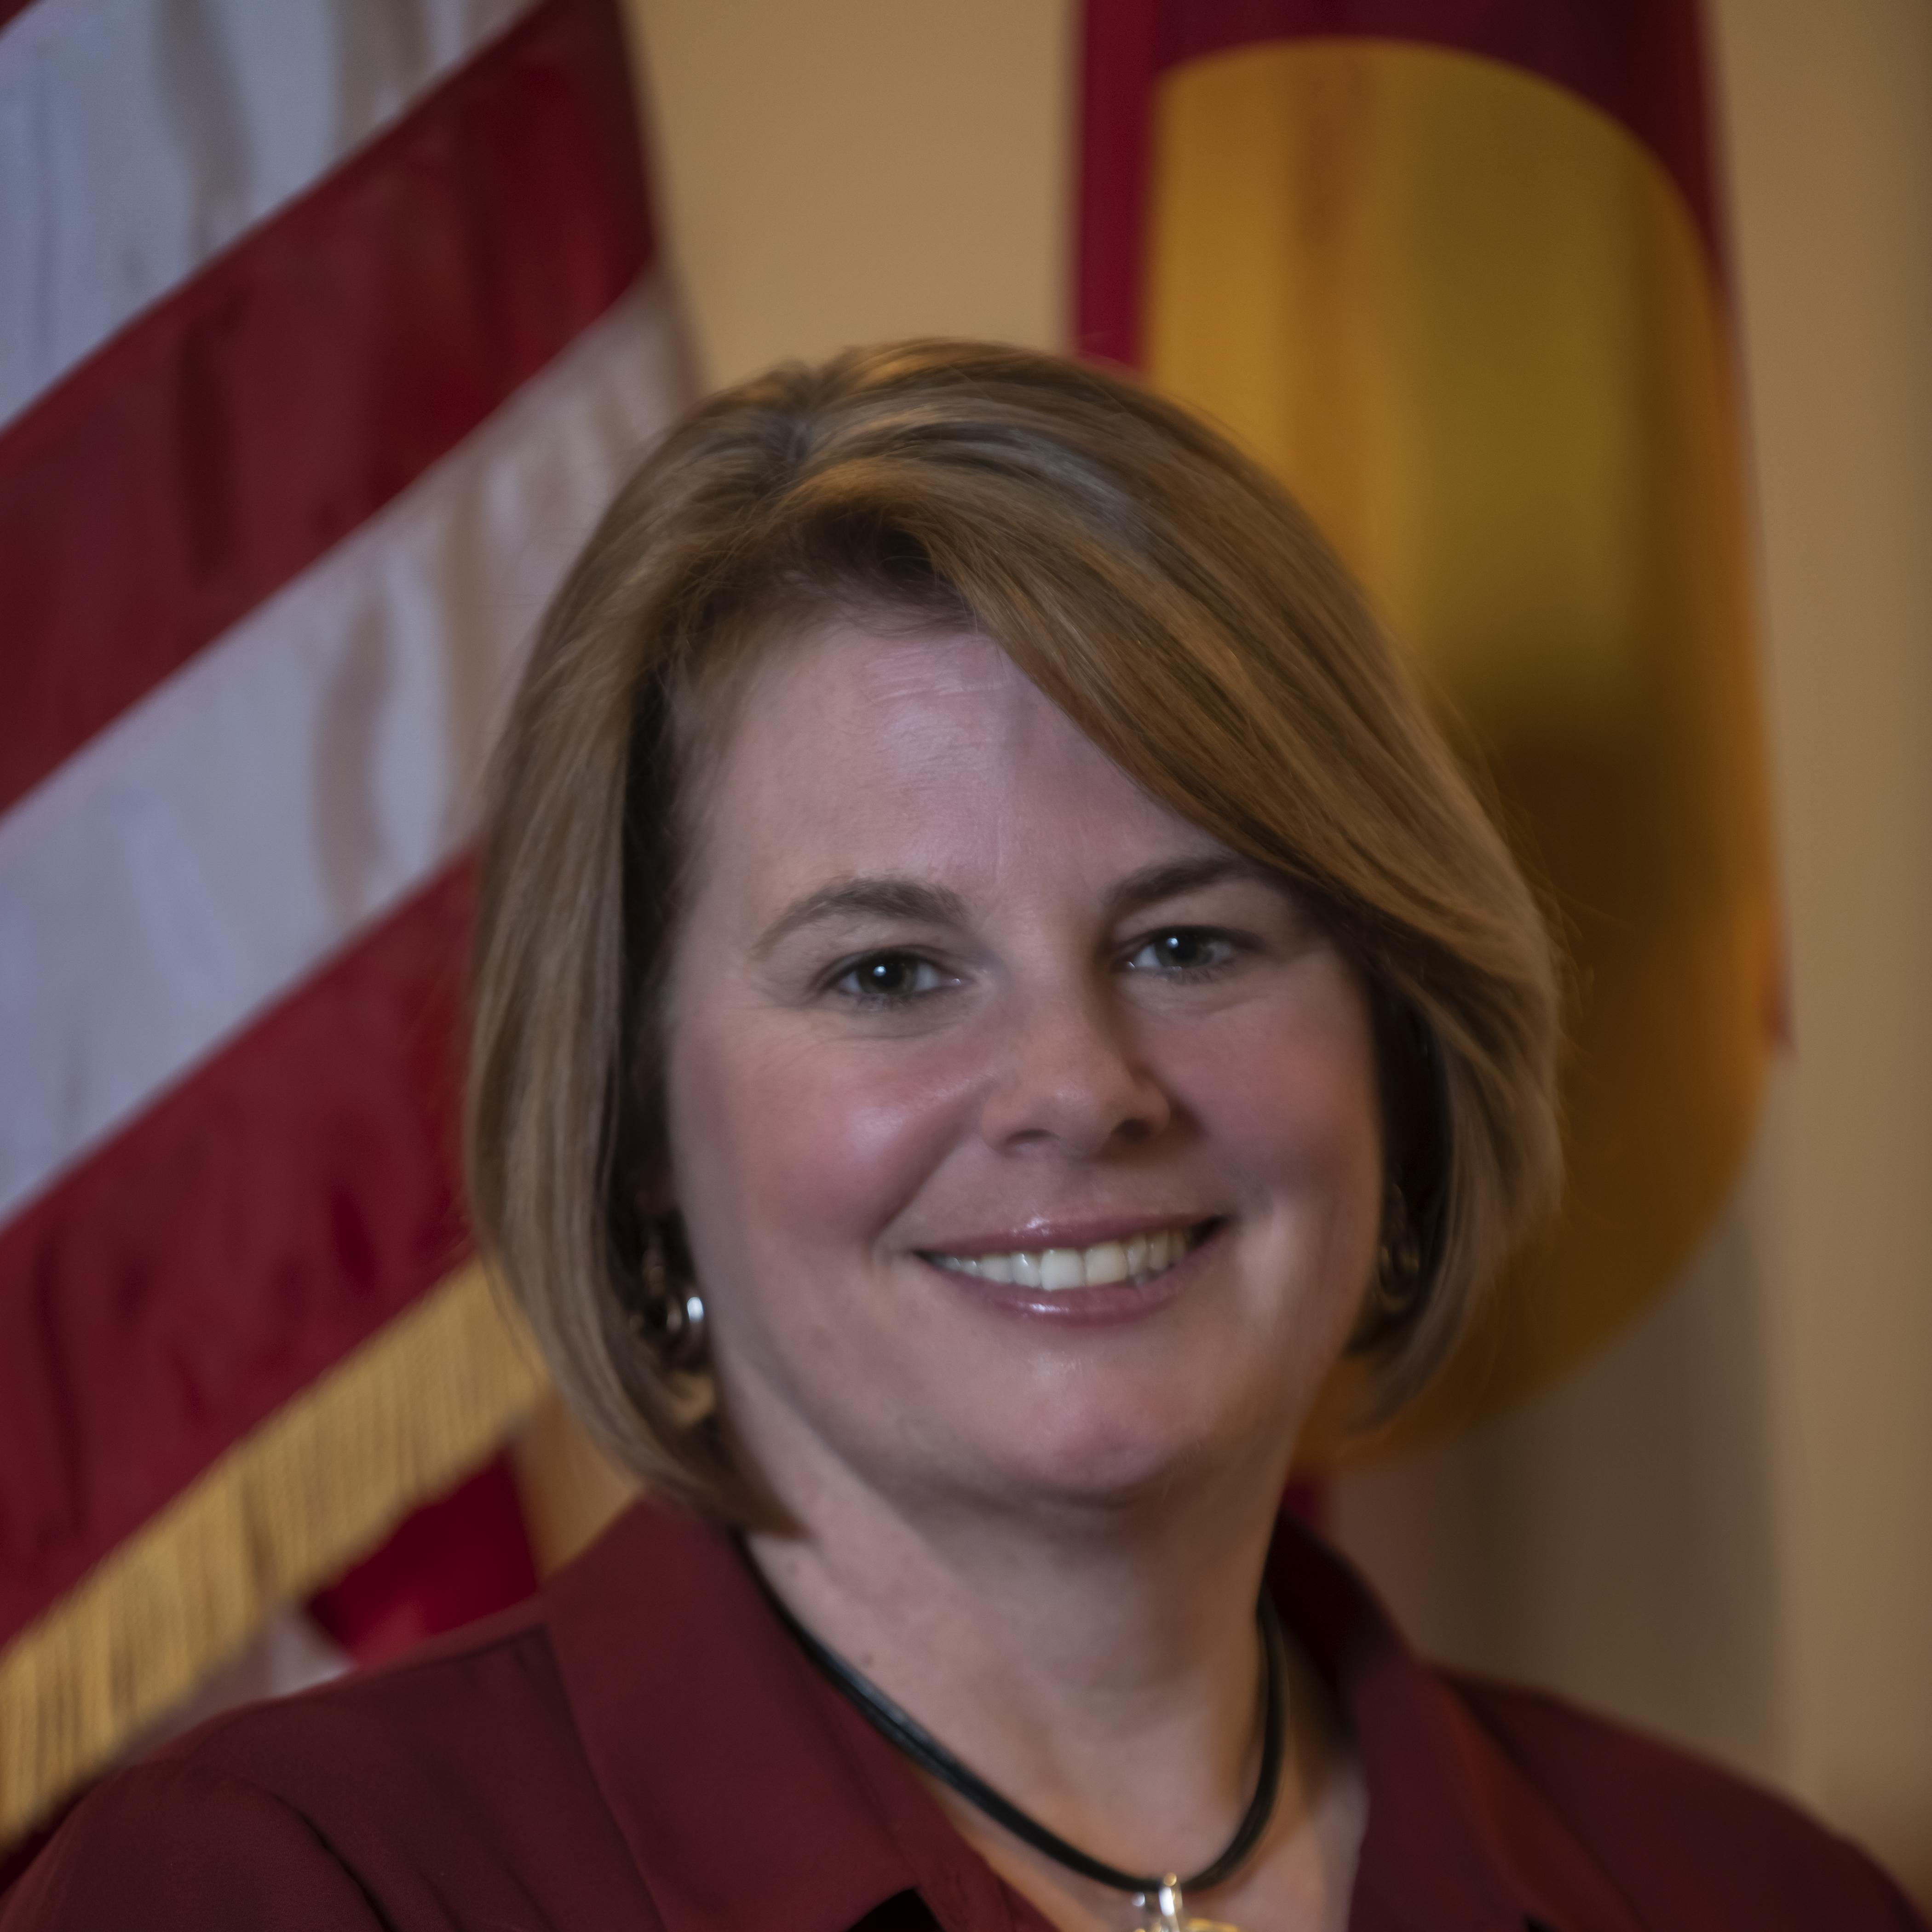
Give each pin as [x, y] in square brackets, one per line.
[1138, 1259]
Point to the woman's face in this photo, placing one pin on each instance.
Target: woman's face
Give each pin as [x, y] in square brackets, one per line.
[1026, 1139]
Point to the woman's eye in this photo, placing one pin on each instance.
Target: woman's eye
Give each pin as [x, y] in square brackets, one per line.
[886, 978]
[1185, 949]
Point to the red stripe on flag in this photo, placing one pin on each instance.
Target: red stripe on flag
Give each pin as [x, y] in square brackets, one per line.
[1120, 61]
[466, 1555]
[1640, 60]
[236, 431]
[239, 1239]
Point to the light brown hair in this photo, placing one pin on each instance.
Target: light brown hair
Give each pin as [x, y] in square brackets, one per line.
[1163, 592]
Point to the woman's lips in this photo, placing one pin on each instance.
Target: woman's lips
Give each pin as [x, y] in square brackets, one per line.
[1115, 1276]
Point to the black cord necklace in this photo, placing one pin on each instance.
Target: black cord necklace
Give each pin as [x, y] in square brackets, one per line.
[931, 1756]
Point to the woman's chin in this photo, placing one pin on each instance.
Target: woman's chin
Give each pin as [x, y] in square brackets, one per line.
[1101, 1458]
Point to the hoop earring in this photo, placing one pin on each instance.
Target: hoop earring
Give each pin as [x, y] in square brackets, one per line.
[670, 1318]
[1399, 1259]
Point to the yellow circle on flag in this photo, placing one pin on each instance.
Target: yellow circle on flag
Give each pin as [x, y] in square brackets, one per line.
[1468, 318]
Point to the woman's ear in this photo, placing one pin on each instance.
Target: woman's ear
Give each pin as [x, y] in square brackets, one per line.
[1415, 1144]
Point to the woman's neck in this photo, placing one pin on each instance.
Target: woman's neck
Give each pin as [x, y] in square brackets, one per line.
[1100, 1667]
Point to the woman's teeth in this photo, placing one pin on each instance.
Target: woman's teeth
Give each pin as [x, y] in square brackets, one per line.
[1138, 1260]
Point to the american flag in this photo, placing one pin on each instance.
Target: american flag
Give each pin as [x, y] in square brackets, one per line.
[327, 328]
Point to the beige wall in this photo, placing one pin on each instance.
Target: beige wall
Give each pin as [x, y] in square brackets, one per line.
[1831, 113]
[1722, 1526]
[843, 171]
[1617, 1538]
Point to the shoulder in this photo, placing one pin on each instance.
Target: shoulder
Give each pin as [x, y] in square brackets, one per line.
[376, 1800]
[1684, 1841]
[467, 1706]
[174, 1844]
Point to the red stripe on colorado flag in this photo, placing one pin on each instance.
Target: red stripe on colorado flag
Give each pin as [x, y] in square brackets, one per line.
[1640, 60]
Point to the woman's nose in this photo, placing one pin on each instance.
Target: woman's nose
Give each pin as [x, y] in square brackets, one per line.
[1070, 1075]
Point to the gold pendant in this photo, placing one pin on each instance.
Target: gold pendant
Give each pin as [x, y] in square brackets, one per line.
[1169, 1914]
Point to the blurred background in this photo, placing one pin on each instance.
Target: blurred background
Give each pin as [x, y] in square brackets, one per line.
[1594, 335]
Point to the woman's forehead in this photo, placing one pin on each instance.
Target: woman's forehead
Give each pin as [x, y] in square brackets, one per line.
[865, 681]
[851, 708]
[860, 752]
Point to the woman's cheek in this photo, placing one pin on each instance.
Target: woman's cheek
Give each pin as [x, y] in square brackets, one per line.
[829, 1142]
[1283, 1092]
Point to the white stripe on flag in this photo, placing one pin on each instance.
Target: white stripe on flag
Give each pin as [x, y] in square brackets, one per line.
[300, 776]
[139, 137]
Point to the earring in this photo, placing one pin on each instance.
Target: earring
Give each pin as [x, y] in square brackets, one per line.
[670, 1319]
[1399, 1259]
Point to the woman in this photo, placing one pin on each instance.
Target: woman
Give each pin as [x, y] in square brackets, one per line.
[990, 998]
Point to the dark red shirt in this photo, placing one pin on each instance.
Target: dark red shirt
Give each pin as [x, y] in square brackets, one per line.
[644, 1747]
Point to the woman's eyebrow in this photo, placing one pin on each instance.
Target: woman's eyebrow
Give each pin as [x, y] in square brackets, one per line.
[885, 898]
[1171, 879]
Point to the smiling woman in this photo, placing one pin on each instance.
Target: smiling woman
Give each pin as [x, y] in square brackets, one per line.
[989, 993]
[871, 599]
[918, 1119]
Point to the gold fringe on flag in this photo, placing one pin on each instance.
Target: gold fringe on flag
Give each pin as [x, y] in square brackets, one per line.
[429, 1397]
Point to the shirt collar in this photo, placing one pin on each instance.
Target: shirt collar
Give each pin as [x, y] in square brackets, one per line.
[1426, 1859]
[750, 1793]
[736, 1794]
